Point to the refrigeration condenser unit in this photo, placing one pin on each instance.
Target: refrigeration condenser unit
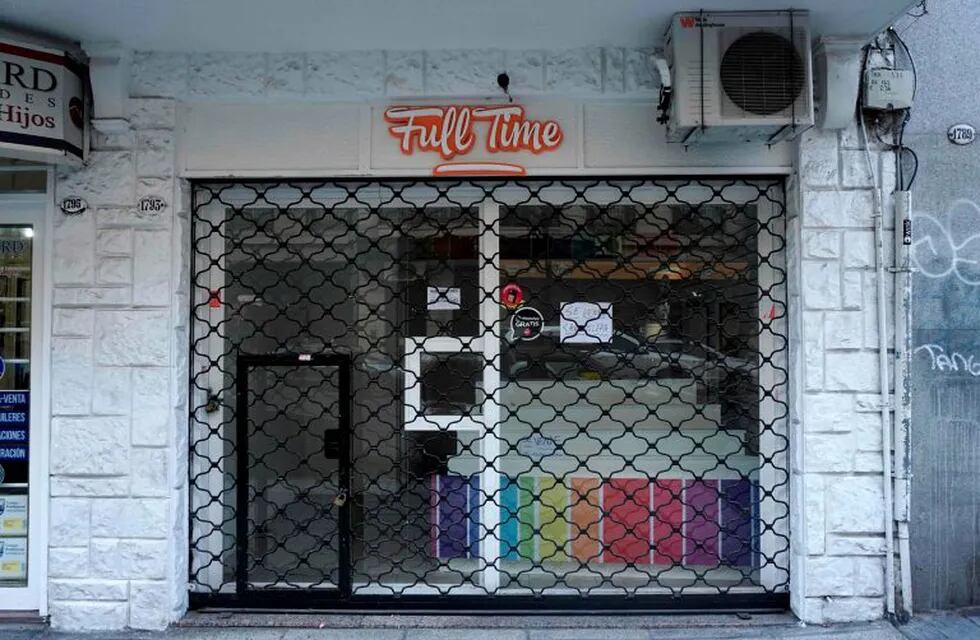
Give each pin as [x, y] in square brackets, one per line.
[737, 76]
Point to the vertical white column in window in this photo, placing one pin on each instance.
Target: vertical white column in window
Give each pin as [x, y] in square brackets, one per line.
[490, 323]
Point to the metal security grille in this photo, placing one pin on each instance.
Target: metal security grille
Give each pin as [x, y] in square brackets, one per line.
[506, 394]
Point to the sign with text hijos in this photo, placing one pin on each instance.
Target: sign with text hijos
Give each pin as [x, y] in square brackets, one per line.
[42, 103]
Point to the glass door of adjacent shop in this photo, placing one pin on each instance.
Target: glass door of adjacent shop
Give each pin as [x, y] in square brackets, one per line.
[22, 529]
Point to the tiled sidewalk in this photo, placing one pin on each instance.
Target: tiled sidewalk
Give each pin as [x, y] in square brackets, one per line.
[308, 627]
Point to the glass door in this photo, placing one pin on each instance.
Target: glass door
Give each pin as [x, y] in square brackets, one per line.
[293, 504]
[557, 388]
[22, 532]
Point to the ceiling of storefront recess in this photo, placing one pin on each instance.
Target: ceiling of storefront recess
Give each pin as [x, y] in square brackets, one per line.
[320, 25]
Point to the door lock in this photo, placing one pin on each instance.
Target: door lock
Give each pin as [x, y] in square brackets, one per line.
[341, 498]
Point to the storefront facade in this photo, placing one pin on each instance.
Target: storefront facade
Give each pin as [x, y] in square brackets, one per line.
[300, 356]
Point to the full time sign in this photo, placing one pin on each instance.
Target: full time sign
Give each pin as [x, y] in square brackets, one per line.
[42, 103]
[455, 131]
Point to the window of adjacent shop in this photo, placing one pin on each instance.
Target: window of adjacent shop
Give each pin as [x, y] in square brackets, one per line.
[22, 209]
[485, 392]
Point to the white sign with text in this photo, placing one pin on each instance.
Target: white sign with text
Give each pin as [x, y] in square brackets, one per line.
[586, 322]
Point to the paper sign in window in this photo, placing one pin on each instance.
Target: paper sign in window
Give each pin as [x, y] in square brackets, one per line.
[13, 558]
[586, 322]
[13, 515]
[442, 298]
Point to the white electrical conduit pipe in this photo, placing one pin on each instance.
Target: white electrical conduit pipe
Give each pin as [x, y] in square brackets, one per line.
[903, 389]
[886, 432]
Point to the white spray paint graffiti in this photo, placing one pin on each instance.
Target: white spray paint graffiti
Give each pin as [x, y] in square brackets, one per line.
[950, 247]
[950, 362]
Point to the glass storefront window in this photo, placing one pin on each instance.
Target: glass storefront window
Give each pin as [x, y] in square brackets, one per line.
[16, 246]
[556, 388]
[616, 406]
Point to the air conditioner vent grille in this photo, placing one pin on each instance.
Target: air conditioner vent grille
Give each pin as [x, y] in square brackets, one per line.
[762, 73]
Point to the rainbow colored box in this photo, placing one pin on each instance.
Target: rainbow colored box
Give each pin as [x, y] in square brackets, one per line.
[630, 520]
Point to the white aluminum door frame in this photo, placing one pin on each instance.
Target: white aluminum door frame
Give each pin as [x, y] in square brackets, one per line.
[489, 253]
[773, 486]
[208, 430]
[36, 209]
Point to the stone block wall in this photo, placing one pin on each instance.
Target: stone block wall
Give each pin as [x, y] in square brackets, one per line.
[364, 75]
[118, 543]
[837, 547]
[117, 548]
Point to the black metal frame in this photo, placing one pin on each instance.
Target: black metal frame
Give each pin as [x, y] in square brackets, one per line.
[246, 361]
[342, 599]
[491, 604]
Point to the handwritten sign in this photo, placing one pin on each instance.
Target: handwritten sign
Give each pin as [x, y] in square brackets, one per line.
[586, 322]
[451, 132]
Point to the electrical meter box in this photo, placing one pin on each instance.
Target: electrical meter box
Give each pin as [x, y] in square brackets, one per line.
[888, 89]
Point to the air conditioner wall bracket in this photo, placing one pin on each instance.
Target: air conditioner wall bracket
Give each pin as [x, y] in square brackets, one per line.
[837, 79]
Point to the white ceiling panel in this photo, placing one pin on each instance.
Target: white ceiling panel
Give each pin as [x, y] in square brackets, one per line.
[324, 25]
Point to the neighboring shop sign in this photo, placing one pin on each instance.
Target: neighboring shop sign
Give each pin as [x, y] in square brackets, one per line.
[454, 131]
[16, 250]
[14, 436]
[42, 103]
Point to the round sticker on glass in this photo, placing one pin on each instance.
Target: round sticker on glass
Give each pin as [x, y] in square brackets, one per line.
[512, 296]
[526, 323]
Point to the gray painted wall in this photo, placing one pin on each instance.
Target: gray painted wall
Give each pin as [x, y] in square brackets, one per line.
[945, 525]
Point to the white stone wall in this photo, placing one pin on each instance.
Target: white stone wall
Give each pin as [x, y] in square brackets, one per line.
[837, 547]
[118, 539]
[117, 553]
[364, 75]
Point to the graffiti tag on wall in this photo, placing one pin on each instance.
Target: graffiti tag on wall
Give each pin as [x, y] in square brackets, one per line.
[953, 362]
[949, 247]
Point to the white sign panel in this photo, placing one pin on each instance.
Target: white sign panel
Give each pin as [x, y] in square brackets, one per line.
[42, 104]
[442, 298]
[586, 322]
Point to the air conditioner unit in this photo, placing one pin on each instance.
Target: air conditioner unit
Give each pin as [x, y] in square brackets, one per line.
[738, 76]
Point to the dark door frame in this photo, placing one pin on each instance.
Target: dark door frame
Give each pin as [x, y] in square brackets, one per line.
[245, 362]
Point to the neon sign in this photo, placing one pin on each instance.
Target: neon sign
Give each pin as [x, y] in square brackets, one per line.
[450, 131]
